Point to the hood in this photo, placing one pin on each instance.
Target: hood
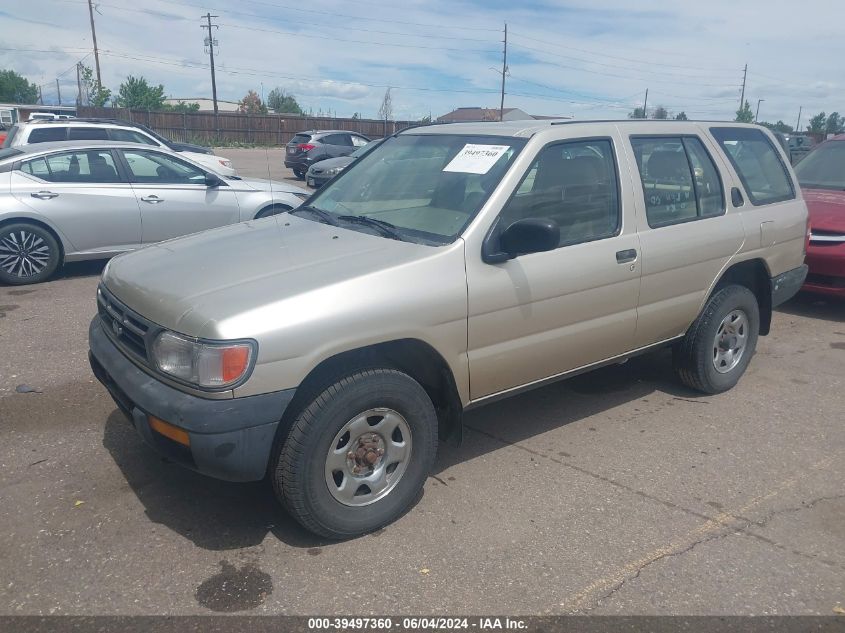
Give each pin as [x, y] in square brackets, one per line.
[189, 147]
[265, 185]
[827, 209]
[192, 284]
[331, 163]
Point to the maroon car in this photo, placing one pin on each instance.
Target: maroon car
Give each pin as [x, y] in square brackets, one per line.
[822, 178]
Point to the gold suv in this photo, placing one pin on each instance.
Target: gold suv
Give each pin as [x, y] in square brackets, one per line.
[330, 347]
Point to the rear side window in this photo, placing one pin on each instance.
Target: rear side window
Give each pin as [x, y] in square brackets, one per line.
[757, 163]
[91, 166]
[336, 139]
[87, 134]
[300, 138]
[47, 134]
[680, 182]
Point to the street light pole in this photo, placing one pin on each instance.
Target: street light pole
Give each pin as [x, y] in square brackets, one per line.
[756, 116]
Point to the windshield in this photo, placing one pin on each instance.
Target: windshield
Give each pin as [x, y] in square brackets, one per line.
[427, 187]
[824, 167]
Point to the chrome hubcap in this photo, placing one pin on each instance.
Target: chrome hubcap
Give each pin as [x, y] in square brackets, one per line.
[731, 339]
[368, 457]
[23, 254]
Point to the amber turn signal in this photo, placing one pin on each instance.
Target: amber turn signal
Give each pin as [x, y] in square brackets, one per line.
[169, 431]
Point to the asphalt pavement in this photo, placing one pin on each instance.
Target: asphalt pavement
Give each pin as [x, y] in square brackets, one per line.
[616, 492]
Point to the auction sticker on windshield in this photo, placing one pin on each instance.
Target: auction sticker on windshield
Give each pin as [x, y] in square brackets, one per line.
[476, 159]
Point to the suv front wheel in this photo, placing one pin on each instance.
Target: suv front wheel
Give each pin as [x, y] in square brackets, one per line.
[720, 343]
[358, 455]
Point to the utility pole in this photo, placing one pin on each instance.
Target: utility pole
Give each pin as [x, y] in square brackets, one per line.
[504, 72]
[798, 125]
[59, 91]
[210, 43]
[757, 114]
[742, 96]
[78, 84]
[40, 98]
[645, 105]
[94, 39]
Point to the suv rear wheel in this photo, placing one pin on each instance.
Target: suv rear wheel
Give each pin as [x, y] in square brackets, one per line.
[358, 455]
[720, 343]
[29, 254]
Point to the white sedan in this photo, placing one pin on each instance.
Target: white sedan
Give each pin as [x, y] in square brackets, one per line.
[75, 200]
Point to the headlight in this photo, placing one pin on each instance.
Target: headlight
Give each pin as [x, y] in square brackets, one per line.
[225, 162]
[209, 365]
[334, 171]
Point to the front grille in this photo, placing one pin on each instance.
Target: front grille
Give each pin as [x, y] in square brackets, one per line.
[128, 330]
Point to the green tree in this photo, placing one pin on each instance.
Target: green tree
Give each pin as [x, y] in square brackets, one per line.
[426, 119]
[638, 113]
[818, 123]
[780, 126]
[95, 94]
[660, 113]
[744, 114]
[15, 88]
[181, 106]
[280, 101]
[356, 115]
[251, 104]
[681, 116]
[835, 124]
[135, 92]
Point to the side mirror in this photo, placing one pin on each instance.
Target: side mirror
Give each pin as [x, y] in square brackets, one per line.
[213, 180]
[530, 235]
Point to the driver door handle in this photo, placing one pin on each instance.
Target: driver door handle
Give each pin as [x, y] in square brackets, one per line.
[623, 257]
[44, 195]
[152, 199]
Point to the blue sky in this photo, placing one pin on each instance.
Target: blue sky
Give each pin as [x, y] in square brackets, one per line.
[582, 58]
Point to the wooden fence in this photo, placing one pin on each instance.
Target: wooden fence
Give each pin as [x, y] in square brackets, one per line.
[235, 127]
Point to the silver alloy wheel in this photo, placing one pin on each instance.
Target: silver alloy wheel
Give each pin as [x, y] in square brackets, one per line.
[23, 253]
[731, 339]
[368, 457]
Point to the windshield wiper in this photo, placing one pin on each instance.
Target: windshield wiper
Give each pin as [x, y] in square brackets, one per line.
[385, 228]
[325, 216]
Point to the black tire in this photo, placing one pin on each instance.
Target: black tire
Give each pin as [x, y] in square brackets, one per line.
[42, 255]
[273, 209]
[299, 472]
[694, 355]
[299, 173]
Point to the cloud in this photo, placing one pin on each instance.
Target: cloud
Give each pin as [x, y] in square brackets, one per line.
[590, 58]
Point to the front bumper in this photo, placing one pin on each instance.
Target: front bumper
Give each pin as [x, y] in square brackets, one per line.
[827, 269]
[230, 438]
[786, 285]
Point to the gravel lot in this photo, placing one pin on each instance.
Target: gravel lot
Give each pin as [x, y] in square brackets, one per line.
[617, 492]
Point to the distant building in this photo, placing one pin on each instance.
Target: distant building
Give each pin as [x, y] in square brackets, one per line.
[491, 114]
[206, 105]
[14, 112]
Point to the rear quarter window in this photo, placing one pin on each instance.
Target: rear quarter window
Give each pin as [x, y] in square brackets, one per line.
[300, 138]
[757, 163]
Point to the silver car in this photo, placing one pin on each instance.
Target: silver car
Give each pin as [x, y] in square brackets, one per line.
[452, 266]
[69, 201]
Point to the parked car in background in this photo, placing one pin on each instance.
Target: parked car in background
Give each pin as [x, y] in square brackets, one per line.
[43, 131]
[3, 132]
[75, 200]
[453, 266]
[307, 148]
[822, 178]
[320, 173]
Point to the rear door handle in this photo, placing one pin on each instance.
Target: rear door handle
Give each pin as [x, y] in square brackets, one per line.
[623, 257]
[44, 195]
[152, 199]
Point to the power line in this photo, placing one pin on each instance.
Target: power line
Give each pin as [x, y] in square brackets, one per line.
[627, 59]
